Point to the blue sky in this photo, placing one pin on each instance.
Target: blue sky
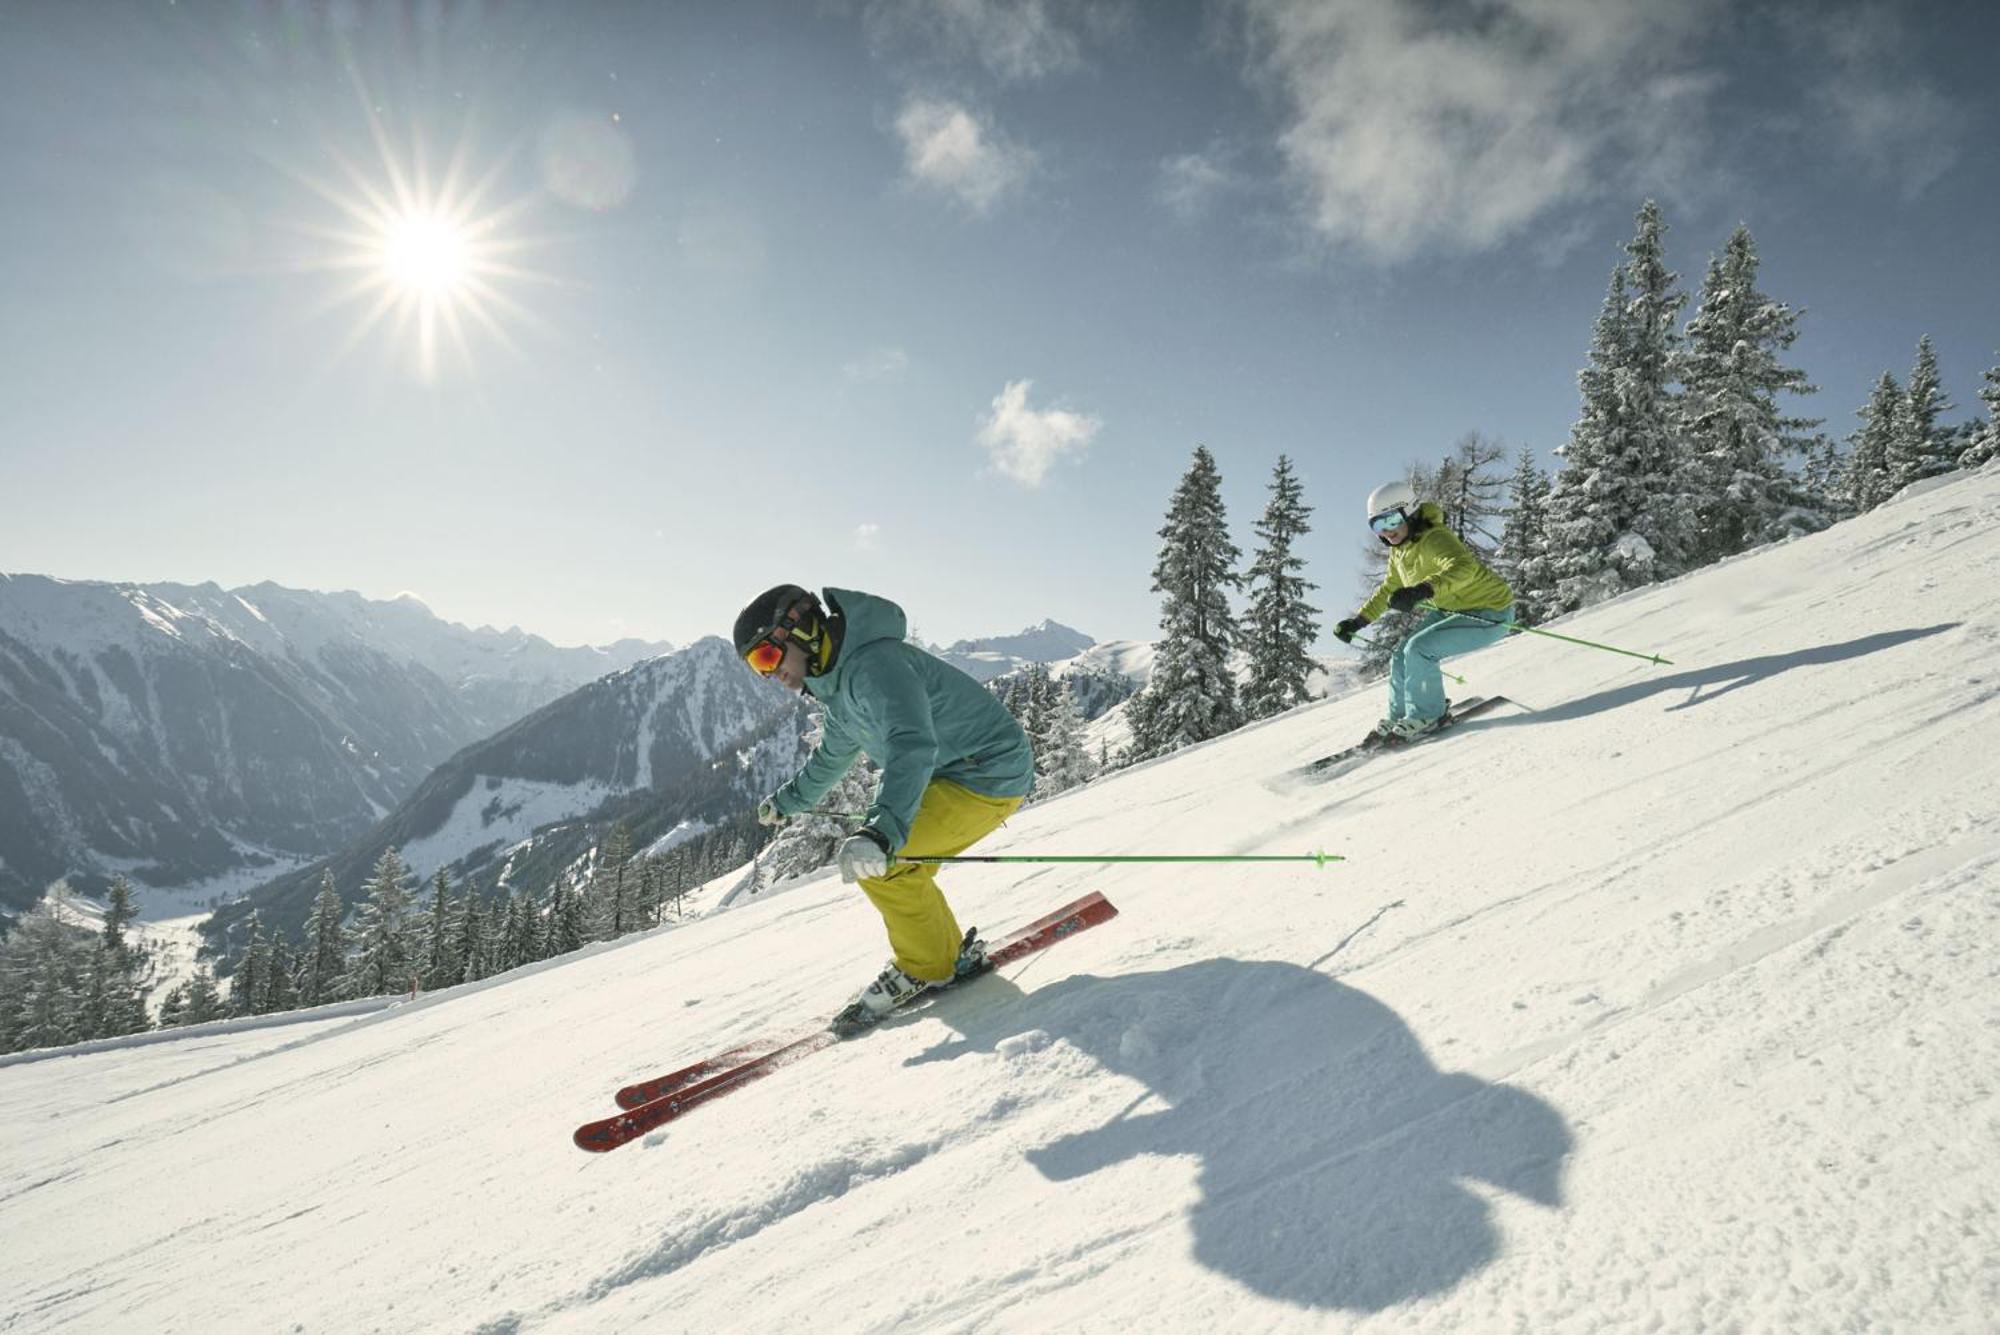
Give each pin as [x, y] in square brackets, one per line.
[930, 299]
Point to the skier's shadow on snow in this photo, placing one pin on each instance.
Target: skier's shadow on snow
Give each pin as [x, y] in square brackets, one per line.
[1334, 1156]
[1725, 676]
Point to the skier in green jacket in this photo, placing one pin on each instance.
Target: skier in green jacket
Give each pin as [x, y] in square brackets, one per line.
[1470, 606]
[954, 766]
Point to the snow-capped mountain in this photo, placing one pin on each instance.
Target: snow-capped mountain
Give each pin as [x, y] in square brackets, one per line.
[688, 738]
[985, 659]
[183, 732]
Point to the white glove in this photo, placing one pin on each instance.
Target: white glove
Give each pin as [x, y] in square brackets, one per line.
[865, 854]
[767, 813]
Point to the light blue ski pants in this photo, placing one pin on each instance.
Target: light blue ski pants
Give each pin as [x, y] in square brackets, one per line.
[1416, 687]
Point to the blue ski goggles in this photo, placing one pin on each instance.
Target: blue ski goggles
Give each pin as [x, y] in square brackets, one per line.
[1387, 520]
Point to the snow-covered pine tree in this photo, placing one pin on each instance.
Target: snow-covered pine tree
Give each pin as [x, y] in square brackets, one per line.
[173, 1007]
[1732, 373]
[1061, 763]
[1005, 689]
[1579, 528]
[1868, 482]
[522, 943]
[1043, 692]
[569, 920]
[251, 985]
[1096, 690]
[1142, 728]
[1027, 692]
[614, 890]
[43, 966]
[203, 1000]
[1523, 555]
[651, 886]
[1281, 625]
[41, 982]
[1823, 479]
[324, 967]
[1917, 450]
[546, 928]
[1621, 514]
[1985, 444]
[282, 993]
[122, 969]
[441, 966]
[385, 959]
[93, 988]
[119, 913]
[1193, 691]
[470, 949]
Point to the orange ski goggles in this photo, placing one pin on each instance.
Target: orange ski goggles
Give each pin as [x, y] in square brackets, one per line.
[765, 655]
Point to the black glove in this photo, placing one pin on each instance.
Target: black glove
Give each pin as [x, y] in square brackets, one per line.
[1346, 630]
[1404, 599]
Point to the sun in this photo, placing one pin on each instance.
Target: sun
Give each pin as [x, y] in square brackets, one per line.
[426, 254]
[429, 256]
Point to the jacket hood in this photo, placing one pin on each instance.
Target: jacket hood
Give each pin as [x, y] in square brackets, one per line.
[866, 619]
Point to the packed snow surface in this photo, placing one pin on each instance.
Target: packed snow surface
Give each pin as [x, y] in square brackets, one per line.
[1666, 1000]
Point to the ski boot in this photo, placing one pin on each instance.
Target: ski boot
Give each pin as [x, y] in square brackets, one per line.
[891, 988]
[1406, 730]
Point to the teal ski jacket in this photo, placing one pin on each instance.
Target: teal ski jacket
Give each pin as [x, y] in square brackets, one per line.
[915, 715]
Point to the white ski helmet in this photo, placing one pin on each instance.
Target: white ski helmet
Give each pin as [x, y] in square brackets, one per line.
[1392, 496]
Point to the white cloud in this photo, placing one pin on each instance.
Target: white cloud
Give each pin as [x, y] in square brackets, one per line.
[1023, 443]
[948, 149]
[867, 537]
[1190, 183]
[1016, 40]
[878, 364]
[1413, 127]
[1871, 92]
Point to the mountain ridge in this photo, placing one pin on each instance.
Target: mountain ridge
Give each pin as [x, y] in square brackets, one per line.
[181, 733]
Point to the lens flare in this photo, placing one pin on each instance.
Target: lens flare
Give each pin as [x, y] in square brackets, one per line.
[429, 254]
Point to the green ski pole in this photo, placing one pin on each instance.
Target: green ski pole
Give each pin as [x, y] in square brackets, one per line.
[1566, 639]
[1319, 859]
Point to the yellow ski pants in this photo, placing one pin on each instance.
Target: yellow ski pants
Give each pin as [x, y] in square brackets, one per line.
[922, 931]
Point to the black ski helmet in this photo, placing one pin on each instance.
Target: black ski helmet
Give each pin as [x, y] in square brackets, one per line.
[786, 607]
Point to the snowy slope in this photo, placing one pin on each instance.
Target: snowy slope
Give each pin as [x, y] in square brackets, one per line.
[1664, 1002]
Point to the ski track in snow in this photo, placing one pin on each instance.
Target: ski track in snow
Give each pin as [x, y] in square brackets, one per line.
[1665, 1001]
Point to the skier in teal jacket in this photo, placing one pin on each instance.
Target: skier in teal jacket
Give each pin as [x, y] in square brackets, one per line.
[954, 766]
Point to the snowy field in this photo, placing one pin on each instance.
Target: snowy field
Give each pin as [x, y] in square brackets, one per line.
[1665, 1001]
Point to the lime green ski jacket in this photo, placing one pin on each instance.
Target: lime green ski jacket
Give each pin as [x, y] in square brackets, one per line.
[1435, 556]
[914, 714]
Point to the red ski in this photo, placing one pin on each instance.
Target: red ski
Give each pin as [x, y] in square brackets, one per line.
[659, 1086]
[664, 1098]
